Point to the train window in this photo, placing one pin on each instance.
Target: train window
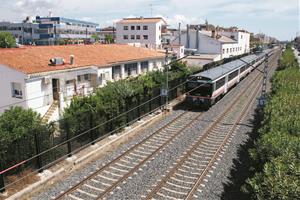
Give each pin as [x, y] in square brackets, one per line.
[200, 89]
[243, 69]
[233, 75]
[220, 83]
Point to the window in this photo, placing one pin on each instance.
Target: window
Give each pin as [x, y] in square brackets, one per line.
[125, 28]
[243, 69]
[131, 69]
[145, 27]
[87, 77]
[241, 36]
[125, 37]
[233, 75]
[132, 27]
[220, 83]
[145, 37]
[78, 78]
[230, 50]
[227, 50]
[223, 51]
[144, 66]
[138, 37]
[16, 90]
[132, 37]
[138, 27]
[116, 72]
[69, 82]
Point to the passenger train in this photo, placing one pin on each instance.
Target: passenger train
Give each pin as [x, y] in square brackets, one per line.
[207, 87]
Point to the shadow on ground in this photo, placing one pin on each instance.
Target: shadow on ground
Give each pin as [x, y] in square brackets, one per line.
[241, 165]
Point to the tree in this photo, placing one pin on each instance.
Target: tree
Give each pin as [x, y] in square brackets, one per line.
[109, 39]
[18, 127]
[95, 37]
[7, 40]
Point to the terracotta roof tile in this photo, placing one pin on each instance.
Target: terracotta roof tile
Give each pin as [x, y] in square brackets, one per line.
[31, 60]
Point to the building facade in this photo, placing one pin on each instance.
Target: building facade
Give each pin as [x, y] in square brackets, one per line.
[222, 44]
[50, 30]
[145, 32]
[40, 85]
[24, 32]
[103, 33]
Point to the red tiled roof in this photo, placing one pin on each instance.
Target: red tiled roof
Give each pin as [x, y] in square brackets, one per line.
[31, 60]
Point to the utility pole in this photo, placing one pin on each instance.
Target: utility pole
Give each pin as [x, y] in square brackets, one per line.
[179, 33]
[167, 78]
[262, 99]
[151, 9]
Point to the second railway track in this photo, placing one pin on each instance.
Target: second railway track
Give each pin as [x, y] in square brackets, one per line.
[108, 177]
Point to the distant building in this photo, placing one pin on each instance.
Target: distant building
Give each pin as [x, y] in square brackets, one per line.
[104, 32]
[218, 43]
[145, 32]
[30, 80]
[24, 32]
[55, 29]
[50, 30]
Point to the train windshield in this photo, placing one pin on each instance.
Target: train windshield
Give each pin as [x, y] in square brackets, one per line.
[200, 89]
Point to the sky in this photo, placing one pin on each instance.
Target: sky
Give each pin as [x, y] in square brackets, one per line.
[277, 18]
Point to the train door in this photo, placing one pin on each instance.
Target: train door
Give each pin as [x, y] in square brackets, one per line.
[239, 75]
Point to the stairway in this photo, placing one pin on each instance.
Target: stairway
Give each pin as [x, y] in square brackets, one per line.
[50, 112]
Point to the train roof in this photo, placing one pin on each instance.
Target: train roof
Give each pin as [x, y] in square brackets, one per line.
[217, 72]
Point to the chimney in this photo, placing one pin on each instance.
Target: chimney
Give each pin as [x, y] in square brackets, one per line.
[213, 33]
[187, 36]
[72, 59]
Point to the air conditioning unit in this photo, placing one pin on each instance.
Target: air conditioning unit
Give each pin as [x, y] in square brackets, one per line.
[46, 80]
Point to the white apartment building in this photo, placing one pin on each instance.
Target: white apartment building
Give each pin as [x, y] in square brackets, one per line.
[221, 44]
[144, 32]
[28, 79]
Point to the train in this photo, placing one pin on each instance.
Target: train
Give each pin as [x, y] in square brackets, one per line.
[207, 87]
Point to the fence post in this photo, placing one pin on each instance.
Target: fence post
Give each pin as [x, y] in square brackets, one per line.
[69, 142]
[139, 106]
[38, 151]
[92, 131]
[127, 113]
[2, 185]
[150, 102]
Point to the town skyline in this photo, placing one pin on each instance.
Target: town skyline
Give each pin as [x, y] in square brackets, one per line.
[274, 18]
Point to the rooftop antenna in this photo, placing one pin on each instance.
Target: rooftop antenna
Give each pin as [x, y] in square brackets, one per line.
[151, 9]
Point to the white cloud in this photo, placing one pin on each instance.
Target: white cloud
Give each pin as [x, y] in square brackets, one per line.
[184, 20]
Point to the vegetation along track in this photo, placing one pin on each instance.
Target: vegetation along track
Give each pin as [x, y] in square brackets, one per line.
[108, 177]
[183, 179]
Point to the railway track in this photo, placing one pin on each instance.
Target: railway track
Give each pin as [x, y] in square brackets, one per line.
[108, 177]
[187, 175]
[105, 179]
[183, 180]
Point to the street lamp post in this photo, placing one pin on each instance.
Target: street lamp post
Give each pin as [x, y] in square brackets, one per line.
[167, 78]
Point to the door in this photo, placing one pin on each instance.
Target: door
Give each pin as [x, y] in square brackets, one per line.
[55, 89]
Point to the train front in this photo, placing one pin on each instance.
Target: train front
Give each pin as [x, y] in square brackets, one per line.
[199, 92]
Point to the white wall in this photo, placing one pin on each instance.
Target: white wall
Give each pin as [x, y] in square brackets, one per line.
[7, 76]
[153, 32]
[103, 82]
[242, 38]
[39, 95]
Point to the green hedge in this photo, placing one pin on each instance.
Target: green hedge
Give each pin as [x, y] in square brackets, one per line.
[117, 98]
[276, 153]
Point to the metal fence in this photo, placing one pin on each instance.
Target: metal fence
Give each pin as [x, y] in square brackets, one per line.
[41, 150]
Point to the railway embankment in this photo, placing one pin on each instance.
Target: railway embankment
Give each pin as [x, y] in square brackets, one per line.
[267, 162]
